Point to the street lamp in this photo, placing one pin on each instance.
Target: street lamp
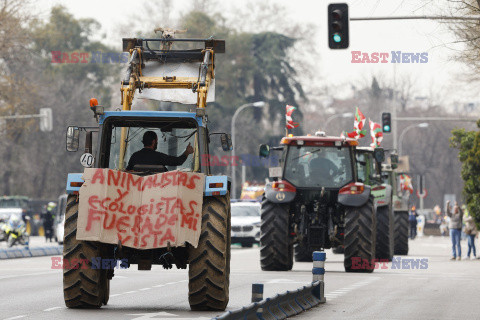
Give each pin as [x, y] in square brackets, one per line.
[258, 104]
[400, 140]
[339, 115]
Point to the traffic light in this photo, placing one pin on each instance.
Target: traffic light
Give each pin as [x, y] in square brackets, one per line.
[338, 26]
[386, 122]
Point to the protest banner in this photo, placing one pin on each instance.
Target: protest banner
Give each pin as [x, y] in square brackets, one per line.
[142, 212]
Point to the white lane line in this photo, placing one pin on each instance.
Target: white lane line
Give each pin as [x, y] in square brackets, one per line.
[159, 286]
[342, 291]
[115, 295]
[51, 309]
[128, 292]
[144, 289]
[17, 317]
[28, 274]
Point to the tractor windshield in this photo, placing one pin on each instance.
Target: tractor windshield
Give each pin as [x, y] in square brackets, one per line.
[315, 167]
[171, 142]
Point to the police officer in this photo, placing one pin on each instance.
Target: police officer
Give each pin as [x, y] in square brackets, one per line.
[412, 219]
[48, 221]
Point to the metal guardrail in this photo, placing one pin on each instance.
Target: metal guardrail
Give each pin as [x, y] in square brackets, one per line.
[27, 252]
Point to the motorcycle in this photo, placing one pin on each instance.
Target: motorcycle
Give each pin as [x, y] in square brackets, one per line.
[16, 232]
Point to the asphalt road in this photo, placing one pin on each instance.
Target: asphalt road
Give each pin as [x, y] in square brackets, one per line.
[30, 289]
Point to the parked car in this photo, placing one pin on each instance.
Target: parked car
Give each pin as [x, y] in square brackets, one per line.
[246, 223]
[58, 224]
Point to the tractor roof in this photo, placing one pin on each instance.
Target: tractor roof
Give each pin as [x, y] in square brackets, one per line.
[319, 141]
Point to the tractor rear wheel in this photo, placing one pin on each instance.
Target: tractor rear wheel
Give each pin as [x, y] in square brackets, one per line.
[401, 232]
[360, 236]
[209, 270]
[82, 288]
[384, 244]
[276, 248]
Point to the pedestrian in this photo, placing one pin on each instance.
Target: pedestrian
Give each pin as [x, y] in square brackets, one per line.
[455, 226]
[444, 227]
[48, 220]
[471, 232]
[412, 219]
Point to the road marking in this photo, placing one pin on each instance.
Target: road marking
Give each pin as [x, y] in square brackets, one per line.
[28, 274]
[128, 292]
[115, 295]
[51, 309]
[342, 291]
[17, 317]
[145, 316]
[159, 285]
[143, 289]
[279, 281]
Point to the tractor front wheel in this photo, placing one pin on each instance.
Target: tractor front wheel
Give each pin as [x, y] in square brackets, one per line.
[209, 270]
[82, 287]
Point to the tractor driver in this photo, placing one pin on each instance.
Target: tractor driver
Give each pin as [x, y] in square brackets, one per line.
[322, 170]
[149, 156]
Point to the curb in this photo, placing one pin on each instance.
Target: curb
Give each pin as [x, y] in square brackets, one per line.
[27, 252]
[282, 306]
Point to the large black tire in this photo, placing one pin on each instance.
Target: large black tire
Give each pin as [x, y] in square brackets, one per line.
[384, 243]
[82, 288]
[276, 247]
[401, 233]
[302, 251]
[360, 236]
[209, 270]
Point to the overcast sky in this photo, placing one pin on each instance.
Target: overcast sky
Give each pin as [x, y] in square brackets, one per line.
[441, 72]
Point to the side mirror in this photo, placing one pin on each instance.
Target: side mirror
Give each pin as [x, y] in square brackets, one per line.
[73, 139]
[379, 155]
[226, 142]
[264, 151]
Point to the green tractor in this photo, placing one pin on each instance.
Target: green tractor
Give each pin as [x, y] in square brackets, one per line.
[400, 206]
[370, 172]
[119, 135]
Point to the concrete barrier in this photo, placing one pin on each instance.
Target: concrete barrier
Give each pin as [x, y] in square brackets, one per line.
[281, 306]
[27, 252]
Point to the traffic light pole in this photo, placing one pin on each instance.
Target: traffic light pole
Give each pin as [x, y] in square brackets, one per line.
[416, 18]
[45, 116]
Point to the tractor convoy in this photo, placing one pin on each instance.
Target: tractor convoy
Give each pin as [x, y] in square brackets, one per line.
[327, 192]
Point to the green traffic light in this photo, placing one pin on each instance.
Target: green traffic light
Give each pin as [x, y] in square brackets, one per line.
[337, 38]
[386, 128]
